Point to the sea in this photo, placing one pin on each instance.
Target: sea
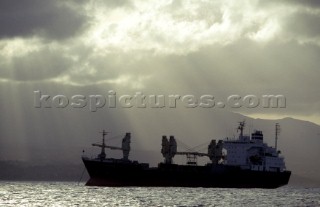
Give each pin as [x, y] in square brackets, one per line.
[77, 194]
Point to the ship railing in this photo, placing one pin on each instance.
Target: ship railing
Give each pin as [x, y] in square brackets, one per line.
[231, 139]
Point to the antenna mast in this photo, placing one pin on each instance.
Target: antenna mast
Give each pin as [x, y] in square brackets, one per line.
[277, 133]
[241, 128]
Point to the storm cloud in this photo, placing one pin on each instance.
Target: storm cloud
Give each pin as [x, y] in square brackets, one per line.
[303, 3]
[49, 19]
[305, 24]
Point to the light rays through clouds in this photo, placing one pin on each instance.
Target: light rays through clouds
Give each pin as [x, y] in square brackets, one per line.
[119, 35]
[159, 47]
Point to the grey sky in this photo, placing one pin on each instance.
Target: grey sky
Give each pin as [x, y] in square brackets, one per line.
[216, 47]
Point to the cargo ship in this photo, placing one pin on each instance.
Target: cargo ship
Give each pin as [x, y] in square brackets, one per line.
[242, 162]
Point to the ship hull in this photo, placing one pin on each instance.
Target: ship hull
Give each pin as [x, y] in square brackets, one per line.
[118, 173]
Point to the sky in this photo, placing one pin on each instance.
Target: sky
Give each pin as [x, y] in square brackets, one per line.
[197, 47]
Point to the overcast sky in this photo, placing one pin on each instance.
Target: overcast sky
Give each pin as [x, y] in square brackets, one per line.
[195, 47]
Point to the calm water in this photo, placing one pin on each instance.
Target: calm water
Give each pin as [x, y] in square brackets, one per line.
[72, 194]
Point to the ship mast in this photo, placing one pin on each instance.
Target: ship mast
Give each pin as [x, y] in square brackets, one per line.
[102, 155]
[277, 132]
[125, 146]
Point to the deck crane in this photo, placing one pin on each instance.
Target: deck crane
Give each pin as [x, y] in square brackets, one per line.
[169, 150]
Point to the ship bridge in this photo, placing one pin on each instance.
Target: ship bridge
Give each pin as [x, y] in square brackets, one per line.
[252, 153]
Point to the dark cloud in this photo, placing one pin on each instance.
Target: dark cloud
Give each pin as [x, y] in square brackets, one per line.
[37, 17]
[308, 3]
[304, 24]
[304, 3]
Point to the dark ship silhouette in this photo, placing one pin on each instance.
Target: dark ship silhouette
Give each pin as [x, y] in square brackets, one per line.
[245, 162]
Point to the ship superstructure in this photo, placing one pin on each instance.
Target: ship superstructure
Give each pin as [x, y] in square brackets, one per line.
[252, 153]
